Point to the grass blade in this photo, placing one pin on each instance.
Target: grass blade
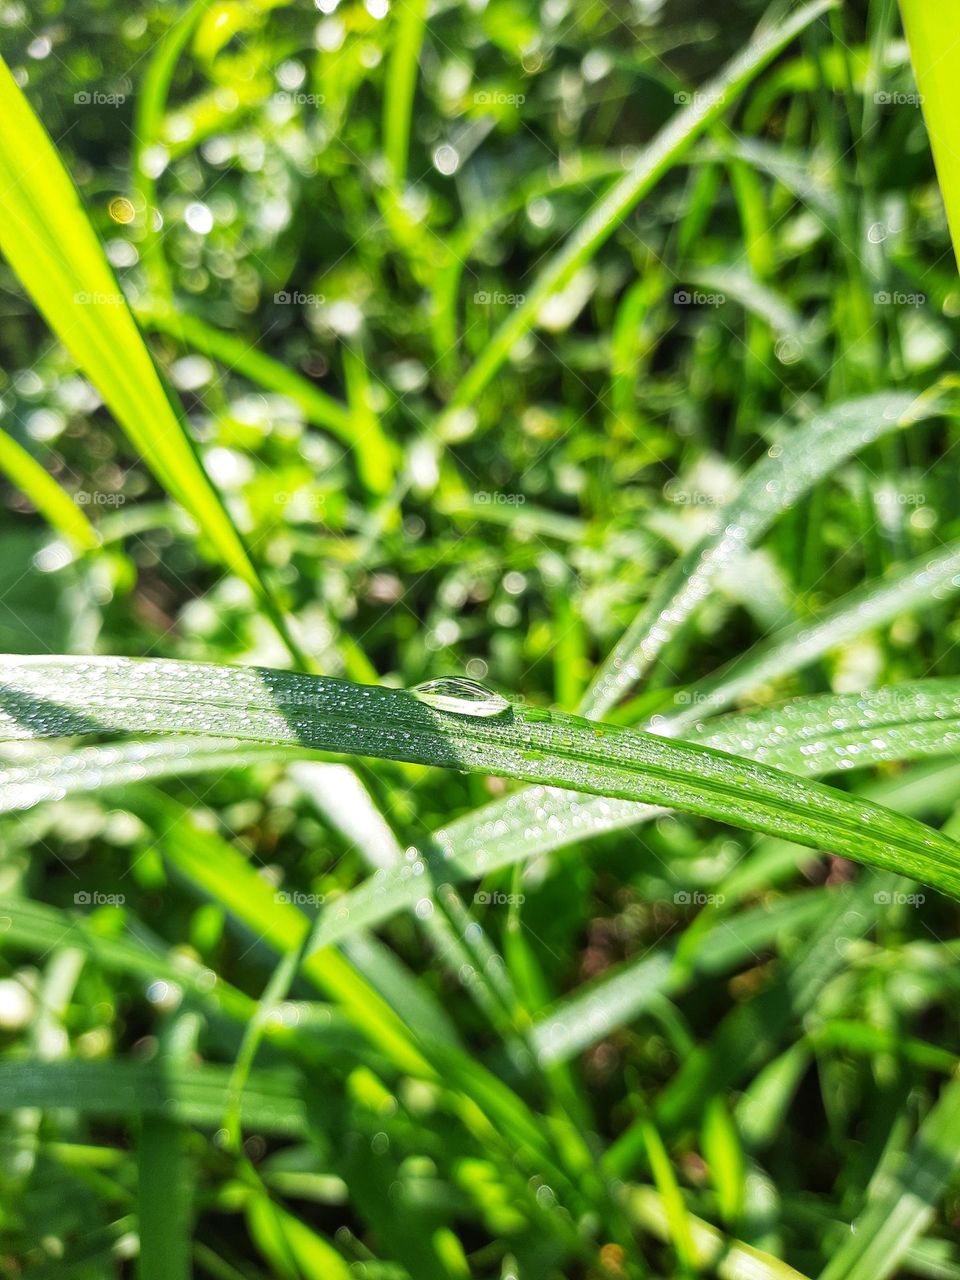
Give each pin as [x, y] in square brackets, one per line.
[773, 485]
[729, 1259]
[47, 239]
[195, 1095]
[56, 697]
[903, 1197]
[932, 35]
[657, 158]
[56, 506]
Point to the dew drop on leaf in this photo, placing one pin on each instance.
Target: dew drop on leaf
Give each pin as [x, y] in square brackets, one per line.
[462, 697]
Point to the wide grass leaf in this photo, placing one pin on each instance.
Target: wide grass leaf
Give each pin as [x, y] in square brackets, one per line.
[56, 697]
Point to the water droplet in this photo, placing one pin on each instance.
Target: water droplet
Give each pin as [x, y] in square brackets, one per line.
[462, 697]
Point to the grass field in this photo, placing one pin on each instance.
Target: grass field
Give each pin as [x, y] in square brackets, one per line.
[480, 721]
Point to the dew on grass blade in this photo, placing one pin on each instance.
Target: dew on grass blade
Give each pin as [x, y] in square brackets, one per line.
[462, 697]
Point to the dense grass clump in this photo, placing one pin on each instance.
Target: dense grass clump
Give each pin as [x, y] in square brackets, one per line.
[479, 547]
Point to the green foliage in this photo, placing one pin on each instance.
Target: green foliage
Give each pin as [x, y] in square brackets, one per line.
[575, 387]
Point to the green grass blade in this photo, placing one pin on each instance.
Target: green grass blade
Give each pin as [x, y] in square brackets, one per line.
[93, 768]
[935, 53]
[47, 238]
[164, 1200]
[195, 1095]
[676, 1219]
[773, 485]
[57, 697]
[903, 1197]
[401, 83]
[56, 506]
[713, 1251]
[921, 584]
[656, 159]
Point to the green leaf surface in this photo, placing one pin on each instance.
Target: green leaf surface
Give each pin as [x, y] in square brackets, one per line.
[59, 697]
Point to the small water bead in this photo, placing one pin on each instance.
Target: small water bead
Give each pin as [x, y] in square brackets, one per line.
[461, 697]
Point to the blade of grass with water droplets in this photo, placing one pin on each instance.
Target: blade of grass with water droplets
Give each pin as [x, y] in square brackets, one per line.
[45, 697]
[772, 486]
[900, 723]
[51, 777]
[927, 581]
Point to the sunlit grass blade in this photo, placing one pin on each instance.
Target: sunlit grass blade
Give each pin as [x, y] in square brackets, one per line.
[903, 1197]
[712, 1250]
[599, 224]
[59, 697]
[932, 35]
[55, 505]
[676, 1219]
[774, 484]
[401, 81]
[48, 240]
[291, 1246]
